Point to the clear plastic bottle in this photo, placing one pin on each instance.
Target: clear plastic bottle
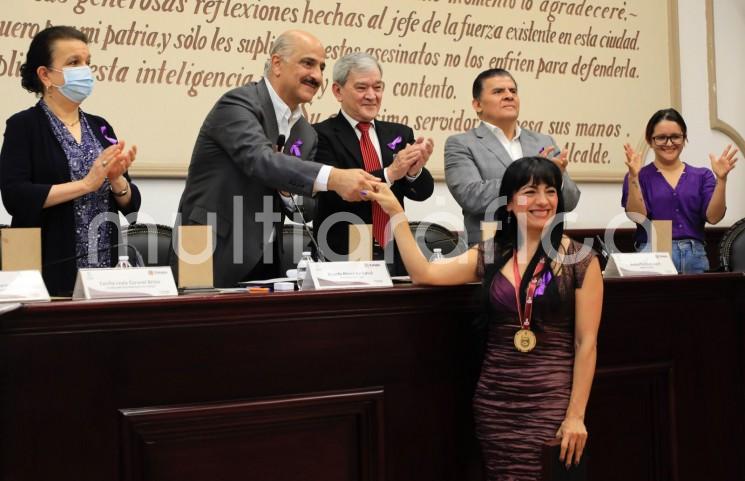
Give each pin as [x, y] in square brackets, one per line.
[123, 262]
[302, 268]
[436, 255]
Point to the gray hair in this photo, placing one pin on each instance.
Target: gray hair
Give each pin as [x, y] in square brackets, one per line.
[357, 62]
[282, 47]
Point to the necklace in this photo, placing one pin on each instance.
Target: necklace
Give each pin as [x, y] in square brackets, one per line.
[69, 126]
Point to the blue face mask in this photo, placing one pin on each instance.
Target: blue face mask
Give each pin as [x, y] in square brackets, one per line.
[78, 83]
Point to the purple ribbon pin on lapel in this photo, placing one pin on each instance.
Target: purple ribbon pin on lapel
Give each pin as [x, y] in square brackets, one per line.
[545, 279]
[393, 143]
[104, 132]
[295, 148]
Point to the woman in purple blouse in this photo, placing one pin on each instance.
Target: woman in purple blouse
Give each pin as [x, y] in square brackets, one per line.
[670, 189]
[61, 169]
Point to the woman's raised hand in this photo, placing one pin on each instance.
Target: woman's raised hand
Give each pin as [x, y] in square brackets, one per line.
[725, 163]
[633, 160]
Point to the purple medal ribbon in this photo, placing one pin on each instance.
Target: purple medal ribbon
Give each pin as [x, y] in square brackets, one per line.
[394, 143]
[104, 132]
[295, 148]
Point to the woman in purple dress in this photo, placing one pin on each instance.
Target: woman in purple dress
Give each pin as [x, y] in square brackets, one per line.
[540, 358]
[670, 189]
[61, 169]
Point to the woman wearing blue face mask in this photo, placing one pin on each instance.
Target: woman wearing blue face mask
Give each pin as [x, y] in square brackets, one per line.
[62, 169]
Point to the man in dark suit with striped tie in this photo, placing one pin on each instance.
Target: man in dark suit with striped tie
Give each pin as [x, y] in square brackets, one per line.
[355, 139]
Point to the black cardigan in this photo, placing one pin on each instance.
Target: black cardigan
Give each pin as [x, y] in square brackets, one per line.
[31, 162]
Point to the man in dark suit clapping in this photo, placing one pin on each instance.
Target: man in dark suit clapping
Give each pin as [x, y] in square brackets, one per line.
[239, 183]
[355, 139]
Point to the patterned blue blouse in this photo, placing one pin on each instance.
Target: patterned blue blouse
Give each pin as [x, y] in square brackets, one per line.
[92, 207]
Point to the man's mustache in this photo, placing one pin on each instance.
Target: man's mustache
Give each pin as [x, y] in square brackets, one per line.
[312, 82]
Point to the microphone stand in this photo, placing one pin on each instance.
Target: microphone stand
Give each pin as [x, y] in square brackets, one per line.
[321, 258]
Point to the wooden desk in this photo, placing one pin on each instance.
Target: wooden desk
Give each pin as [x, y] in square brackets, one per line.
[353, 385]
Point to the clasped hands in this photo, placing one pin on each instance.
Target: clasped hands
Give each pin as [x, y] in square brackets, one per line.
[411, 159]
[561, 160]
[111, 163]
[353, 184]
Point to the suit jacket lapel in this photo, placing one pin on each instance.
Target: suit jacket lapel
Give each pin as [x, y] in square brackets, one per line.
[529, 143]
[490, 141]
[385, 134]
[270, 125]
[348, 139]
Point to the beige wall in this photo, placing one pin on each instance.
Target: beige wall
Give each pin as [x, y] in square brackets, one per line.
[600, 201]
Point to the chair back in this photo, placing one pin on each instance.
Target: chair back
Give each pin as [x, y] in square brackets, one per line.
[295, 240]
[732, 248]
[429, 236]
[152, 241]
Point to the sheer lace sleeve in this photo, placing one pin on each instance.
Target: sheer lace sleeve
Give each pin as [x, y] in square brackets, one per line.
[581, 256]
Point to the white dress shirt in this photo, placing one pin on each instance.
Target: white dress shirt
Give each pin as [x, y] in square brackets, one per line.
[513, 147]
[285, 120]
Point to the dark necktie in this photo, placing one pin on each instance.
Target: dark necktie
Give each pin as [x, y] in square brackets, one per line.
[372, 163]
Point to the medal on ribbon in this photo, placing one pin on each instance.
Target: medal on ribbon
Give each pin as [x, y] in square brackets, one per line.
[525, 340]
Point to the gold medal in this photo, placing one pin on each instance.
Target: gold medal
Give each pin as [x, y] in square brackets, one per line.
[525, 340]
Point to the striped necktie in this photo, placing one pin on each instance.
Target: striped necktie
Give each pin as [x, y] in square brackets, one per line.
[372, 163]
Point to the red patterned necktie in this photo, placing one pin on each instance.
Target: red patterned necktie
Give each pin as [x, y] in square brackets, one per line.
[372, 163]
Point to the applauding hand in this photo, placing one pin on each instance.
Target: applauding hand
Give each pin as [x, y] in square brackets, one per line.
[426, 146]
[725, 163]
[561, 160]
[101, 166]
[122, 162]
[633, 161]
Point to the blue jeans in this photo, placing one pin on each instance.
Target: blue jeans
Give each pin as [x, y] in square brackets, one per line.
[689, 256]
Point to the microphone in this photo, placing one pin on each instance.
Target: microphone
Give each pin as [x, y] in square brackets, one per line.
[138, 261]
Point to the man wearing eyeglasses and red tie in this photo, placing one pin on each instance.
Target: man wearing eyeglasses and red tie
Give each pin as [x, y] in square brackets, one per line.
[354, 138]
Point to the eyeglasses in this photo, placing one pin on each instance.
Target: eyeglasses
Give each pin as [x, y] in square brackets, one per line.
[661, 140]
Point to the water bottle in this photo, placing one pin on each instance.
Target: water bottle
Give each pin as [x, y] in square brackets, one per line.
[123, 262]
[436, 255]
[302, 268]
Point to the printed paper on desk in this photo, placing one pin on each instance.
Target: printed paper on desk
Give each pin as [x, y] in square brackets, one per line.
[116, 283]
[346, 275]
[22, 286]
[640, 264]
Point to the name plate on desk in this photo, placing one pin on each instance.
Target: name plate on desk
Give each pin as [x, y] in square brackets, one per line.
[346, 275]
[640, 264]
[113, 283]
[22, 286]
